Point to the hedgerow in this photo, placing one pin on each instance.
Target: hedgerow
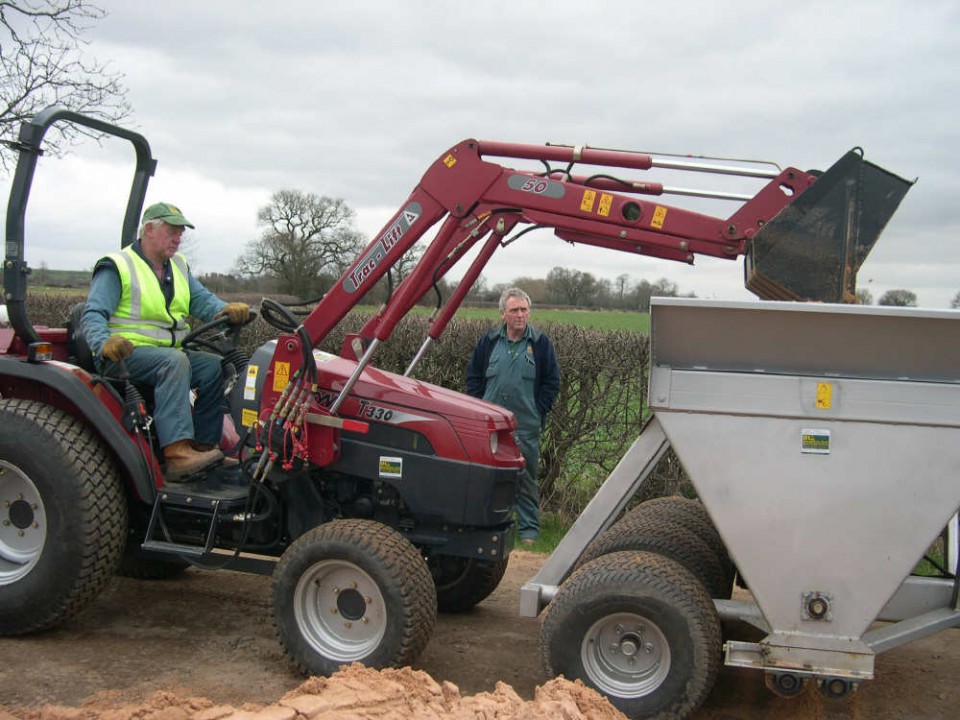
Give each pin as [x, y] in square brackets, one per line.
[597, 415]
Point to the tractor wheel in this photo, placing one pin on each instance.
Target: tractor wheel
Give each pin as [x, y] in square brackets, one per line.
[64, 516]
[692, 515]
[352, 591]
[664, 537]
[464, 582]
[639, 628]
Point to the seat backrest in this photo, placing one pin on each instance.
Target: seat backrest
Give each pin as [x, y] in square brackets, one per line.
[77, 347]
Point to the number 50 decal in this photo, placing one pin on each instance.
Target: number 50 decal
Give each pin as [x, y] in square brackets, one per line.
[536, 186]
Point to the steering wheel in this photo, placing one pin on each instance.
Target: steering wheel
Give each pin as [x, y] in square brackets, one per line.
[217, 336]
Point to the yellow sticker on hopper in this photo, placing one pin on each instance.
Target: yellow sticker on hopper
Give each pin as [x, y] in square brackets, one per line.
[824, 395]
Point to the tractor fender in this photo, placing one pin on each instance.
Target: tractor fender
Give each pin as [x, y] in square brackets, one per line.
[23, 379]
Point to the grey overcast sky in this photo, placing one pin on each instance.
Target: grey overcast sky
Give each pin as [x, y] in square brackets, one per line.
[355, 100]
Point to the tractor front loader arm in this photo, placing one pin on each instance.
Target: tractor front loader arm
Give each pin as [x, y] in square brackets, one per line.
[831, 220]
[476, 198]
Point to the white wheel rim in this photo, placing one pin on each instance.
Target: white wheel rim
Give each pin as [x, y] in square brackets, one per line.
[340, 610]
[625, 655]
[23, 524]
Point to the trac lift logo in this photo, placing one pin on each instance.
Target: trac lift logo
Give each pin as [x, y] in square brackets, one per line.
[391, 236]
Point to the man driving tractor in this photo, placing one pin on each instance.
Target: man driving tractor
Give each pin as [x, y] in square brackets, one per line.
[136, 314]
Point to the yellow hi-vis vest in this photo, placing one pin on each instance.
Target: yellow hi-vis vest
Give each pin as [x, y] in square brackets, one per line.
[142, 315]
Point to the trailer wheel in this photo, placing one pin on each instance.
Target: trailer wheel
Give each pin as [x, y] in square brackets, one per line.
[352, 591]
[639, 628]
[693, 516]
[464, 582]
[665, 537]
[64, 516]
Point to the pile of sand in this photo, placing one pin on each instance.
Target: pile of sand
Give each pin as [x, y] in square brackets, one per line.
[355, 693]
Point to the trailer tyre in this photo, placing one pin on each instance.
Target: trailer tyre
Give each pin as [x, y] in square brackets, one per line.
[352, 591]
[693, 516]
[64, 516]
[464, 582]
[668, 538]
[639, 628]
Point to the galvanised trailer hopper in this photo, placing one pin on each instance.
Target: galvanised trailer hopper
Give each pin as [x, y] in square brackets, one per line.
[824, 443]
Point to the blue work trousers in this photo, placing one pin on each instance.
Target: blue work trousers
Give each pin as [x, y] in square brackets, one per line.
[528, 501]
[172, 373]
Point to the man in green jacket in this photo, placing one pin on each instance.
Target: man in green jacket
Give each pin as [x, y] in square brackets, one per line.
[515, 366]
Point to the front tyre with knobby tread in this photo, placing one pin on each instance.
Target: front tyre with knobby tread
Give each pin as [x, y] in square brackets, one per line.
[639, 628]
[64, 516]
[352, 591]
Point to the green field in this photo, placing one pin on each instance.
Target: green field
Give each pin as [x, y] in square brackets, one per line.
[611, 320]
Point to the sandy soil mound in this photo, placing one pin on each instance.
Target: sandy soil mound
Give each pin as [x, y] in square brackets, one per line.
[354, 693]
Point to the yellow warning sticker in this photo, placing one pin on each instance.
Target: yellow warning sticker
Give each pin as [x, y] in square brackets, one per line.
[587, 201]
[605, 202]
[281, 375]
[248, 417]
[250, 385]
[824, 395]
[450, 160]
[659, 215]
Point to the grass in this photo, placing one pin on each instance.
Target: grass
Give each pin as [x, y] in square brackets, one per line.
[78, 292]
[607, 320]
[937, 553]
[552, 529]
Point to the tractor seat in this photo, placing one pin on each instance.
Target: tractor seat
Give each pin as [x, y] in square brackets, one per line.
[81, 356]
[77, 348]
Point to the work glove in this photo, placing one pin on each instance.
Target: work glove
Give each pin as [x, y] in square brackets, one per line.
[236, 312]
[116, 348]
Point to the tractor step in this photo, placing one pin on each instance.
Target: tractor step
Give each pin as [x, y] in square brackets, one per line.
[213, 499]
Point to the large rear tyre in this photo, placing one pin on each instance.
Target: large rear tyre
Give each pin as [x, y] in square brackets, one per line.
[665, 537]
[639, 628]
[464, 582]
[352, 591]
[64, 516]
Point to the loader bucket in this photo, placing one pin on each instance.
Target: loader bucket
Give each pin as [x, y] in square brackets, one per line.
[812, 249]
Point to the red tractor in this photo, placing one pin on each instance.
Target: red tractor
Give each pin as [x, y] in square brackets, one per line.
[372, 498]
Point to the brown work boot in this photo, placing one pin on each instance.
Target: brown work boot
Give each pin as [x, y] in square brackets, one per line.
[182, 460]
[207, 447]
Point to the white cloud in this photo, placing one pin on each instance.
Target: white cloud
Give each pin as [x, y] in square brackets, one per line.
[241, 99]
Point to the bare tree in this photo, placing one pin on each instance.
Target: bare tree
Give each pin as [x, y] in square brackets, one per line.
[571, 287]
[644, 290]
[955, 303]
[899, 298]
[307, 242]
[42, 63]
[620, 285]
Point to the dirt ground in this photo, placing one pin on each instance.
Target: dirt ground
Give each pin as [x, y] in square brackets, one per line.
[202, 646]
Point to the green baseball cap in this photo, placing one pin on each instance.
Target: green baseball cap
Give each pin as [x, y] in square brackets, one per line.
[170, 214]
